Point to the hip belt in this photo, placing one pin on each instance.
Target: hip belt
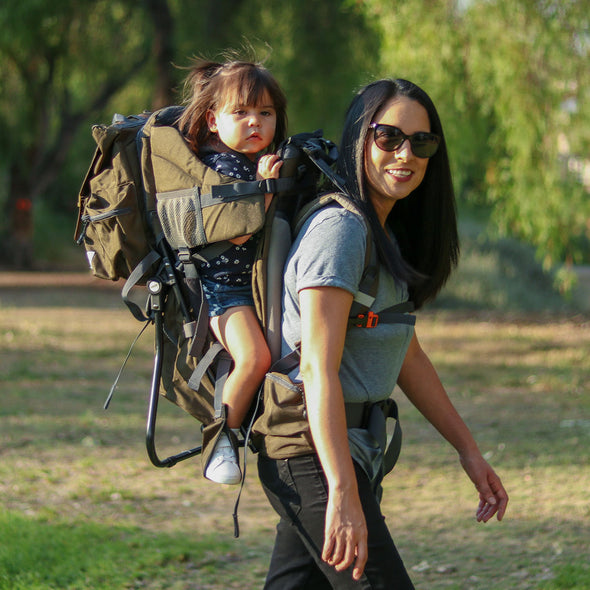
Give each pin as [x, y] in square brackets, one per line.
[373, 416]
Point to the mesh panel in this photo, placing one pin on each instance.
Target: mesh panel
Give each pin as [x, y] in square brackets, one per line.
[181, 218]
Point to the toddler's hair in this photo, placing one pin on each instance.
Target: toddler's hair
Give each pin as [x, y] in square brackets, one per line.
[211, 85]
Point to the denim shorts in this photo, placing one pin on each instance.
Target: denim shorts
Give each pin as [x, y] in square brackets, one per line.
[222, 297]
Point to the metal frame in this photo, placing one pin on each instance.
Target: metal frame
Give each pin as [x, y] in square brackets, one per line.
[156, 290]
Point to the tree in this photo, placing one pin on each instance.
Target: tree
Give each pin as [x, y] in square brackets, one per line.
[56, 75]
[321, 51]
[527, 60]
[500, 72]
[70, 63]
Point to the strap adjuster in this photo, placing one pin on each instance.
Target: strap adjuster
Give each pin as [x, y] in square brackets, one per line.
[366, 320]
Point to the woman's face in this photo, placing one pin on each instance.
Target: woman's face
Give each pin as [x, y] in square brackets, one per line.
[392, 176]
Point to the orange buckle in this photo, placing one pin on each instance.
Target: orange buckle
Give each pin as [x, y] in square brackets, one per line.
[370, 320]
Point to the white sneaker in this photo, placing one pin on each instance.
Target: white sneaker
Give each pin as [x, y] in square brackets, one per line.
[223, 464]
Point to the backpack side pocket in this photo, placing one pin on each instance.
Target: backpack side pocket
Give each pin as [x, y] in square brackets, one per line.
[282, 430]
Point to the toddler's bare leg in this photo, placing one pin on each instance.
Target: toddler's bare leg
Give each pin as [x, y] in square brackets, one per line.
[239, 332]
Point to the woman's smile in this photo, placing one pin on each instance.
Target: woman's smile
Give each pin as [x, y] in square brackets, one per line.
[401, 174]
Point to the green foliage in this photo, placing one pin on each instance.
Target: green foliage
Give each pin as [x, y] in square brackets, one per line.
[575, 576]
[319, 50]
[57, 62]
[511, 83]
[509, 77]
[53, 239]
[522, 80]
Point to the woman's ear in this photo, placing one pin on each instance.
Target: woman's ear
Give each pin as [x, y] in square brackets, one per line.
[211, 121]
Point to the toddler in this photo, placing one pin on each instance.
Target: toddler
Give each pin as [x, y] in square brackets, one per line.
[236, 112]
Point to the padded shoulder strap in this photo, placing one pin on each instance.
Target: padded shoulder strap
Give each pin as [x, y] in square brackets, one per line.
[367, 291]
[360, 314]
[322, 201]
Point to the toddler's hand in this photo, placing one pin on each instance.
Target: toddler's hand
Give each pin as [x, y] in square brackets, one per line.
[269, 166]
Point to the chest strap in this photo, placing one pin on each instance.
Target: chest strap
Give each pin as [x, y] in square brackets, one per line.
[396, 314]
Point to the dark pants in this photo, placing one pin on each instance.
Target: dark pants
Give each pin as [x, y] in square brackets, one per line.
[298, 492]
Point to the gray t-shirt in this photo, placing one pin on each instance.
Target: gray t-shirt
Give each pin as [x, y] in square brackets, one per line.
[330, 252]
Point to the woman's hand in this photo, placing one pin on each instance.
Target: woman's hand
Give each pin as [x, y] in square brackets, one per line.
[493, 498]
[345, 535]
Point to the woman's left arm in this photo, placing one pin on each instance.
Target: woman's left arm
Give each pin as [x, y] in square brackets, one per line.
[420, 383]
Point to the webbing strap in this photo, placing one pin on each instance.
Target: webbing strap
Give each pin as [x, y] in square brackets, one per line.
[136, 275]
[396, 314]
[369, 283]
[223, 370]
[201, 311]
[394, 447]
[317, 156]
[373, 416]
[212, 251]
[198, 303]
[203, 365]
[287, 363]
[364, 299]
[238, 190]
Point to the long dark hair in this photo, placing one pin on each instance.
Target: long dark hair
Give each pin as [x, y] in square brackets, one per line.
[211, 85]
[425, 222]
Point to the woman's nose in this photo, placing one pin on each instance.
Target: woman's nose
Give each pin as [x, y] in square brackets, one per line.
[405, 149]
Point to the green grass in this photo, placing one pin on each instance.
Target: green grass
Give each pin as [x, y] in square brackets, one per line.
[36, 554]
[572, 577]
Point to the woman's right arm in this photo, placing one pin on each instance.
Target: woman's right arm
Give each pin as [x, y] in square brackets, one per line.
[324, 318]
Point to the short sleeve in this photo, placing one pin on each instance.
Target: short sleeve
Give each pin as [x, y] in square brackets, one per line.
[330, 251]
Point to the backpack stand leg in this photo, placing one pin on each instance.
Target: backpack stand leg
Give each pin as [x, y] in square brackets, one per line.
[155, 288]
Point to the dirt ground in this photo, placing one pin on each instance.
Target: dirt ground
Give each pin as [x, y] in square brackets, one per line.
[55, 279]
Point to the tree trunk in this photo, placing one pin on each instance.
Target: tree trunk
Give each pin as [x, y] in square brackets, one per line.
[163, 51]
[18, 250]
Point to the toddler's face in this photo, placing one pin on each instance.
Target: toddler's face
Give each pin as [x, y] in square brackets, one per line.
[247, 129]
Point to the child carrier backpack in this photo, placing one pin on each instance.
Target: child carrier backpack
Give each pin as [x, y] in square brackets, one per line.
[150, 210]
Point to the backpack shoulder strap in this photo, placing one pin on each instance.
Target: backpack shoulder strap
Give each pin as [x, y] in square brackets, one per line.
[369, 283]
[360, 314]
[322, 201]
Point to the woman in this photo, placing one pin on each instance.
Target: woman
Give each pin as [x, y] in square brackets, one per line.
[395, 168]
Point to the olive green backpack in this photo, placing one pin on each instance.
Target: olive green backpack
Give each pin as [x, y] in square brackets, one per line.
[148, 211]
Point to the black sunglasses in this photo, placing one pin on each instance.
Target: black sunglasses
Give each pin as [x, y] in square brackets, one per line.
[389, 138]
